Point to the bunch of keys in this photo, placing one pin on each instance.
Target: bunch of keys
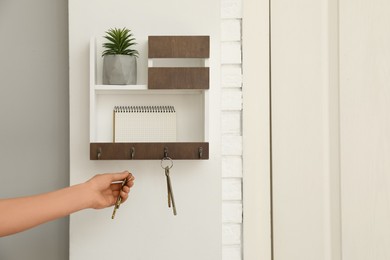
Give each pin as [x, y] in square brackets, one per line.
[171, 199]
[119, 199]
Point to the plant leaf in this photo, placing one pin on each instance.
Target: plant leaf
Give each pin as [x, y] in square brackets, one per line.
[119, 41]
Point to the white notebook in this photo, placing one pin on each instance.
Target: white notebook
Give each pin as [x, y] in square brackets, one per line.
[144, 124]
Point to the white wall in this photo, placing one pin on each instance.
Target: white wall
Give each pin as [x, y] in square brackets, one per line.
[144, 226]
[34, 127]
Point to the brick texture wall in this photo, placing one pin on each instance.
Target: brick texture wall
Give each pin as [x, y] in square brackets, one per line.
[231, 123]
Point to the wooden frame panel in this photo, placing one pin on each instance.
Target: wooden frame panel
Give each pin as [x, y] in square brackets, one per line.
[178, 78]
[149, 151]
[179, 46]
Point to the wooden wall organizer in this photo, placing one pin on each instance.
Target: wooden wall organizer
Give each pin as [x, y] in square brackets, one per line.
[149, 151]
[176, 78]
[182, 47]
[172, 85]
[179, 47]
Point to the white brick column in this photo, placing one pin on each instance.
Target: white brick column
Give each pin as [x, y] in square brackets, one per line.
[231, 128]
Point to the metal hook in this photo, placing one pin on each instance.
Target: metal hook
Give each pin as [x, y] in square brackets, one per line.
[99, 153]
[165, 152]
[200, 150]
[132, 152]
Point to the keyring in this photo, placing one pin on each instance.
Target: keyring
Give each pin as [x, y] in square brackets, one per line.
[166, 159]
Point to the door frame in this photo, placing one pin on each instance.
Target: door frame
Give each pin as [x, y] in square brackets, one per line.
[257, 129]
[257, 219]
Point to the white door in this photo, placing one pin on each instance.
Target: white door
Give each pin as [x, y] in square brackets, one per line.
[365, 128]
[330, 84]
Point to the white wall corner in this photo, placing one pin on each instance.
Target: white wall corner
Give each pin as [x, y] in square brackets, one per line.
[231, 129]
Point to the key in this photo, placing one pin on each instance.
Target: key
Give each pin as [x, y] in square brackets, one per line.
[118, 200]
[170, 194]
[113, 213]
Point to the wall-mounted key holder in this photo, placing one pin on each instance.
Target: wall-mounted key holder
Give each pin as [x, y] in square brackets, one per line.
[149, 151]
[184, 87]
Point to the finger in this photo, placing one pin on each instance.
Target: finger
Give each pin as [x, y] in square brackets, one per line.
[126, 189]
[130, 181]
[130, 184]
[123, 193]
[119, 176]
[116, 186]
[115, 194]
[124, 196]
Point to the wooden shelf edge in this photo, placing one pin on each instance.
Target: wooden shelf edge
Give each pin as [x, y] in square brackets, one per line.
[120, 87]
[178, 78]
[149, 151]
[147, 91]
[184, 46]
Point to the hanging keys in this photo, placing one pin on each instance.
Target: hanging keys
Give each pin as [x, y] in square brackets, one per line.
[118, 200]
[171, 200]
[170, 192]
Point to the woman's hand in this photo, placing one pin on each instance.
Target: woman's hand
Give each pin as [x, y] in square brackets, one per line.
[19, 214]
[104, 193]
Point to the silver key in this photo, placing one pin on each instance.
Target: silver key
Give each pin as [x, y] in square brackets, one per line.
[170, 191]
[118, 200]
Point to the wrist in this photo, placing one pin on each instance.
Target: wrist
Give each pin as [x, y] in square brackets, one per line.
[84, 195]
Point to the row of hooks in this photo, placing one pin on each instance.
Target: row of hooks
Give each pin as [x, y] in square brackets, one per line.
[165, 153]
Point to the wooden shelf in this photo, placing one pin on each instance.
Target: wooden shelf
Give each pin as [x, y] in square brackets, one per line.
[120, 87]
[149, 151]
[178, 78]
[142, 90]
[177, 81]
[179, 46]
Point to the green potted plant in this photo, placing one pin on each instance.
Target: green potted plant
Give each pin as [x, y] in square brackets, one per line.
[119, 58]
